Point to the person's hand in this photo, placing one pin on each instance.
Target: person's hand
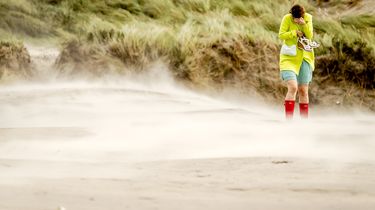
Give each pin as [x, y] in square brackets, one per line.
[300, 33]
[299, 21]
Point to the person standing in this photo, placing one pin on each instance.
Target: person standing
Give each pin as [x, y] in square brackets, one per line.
[296, 65]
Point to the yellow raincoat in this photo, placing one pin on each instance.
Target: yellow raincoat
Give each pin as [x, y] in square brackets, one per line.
[288, 33]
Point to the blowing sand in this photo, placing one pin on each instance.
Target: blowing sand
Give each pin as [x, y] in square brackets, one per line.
[130, 146]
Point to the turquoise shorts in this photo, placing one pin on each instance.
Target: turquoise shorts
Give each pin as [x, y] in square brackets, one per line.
[304, 77]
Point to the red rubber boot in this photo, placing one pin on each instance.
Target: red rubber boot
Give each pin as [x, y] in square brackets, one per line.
[289, 109]
[304, 110]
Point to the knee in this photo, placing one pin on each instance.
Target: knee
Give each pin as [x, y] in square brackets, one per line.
[292, 89]
[303, 92]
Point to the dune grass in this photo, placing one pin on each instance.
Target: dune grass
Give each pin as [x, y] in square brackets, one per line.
[15, 61]
[208, 43]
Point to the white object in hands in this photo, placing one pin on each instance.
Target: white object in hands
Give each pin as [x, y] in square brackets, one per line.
[314, 44]
[307, 44]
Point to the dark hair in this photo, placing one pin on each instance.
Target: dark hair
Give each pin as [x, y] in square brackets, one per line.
[297, 11]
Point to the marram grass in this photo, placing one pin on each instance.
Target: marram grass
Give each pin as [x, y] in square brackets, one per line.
[210, 43]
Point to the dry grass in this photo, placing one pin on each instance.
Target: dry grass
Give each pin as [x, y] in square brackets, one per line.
[237, 62]
[77, 59]
[211, 44]
[14, 61]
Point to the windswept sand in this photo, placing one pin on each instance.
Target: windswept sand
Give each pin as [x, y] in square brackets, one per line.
[227, 183]
[128, 146]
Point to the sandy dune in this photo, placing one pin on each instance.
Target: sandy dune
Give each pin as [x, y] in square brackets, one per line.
[131, 146]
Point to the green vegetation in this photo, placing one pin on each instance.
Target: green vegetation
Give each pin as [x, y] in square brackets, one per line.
[210, 43]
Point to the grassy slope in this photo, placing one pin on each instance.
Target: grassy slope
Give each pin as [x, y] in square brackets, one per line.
[210, 43]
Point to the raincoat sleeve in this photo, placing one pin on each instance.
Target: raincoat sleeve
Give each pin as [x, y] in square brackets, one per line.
[284, 32]
[308, 27]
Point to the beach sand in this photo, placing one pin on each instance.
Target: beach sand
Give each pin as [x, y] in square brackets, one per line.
[109, 147]
[226, 183]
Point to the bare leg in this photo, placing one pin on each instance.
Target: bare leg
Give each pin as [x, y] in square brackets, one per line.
[292, 90]
[303, 94]
[290, 98]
